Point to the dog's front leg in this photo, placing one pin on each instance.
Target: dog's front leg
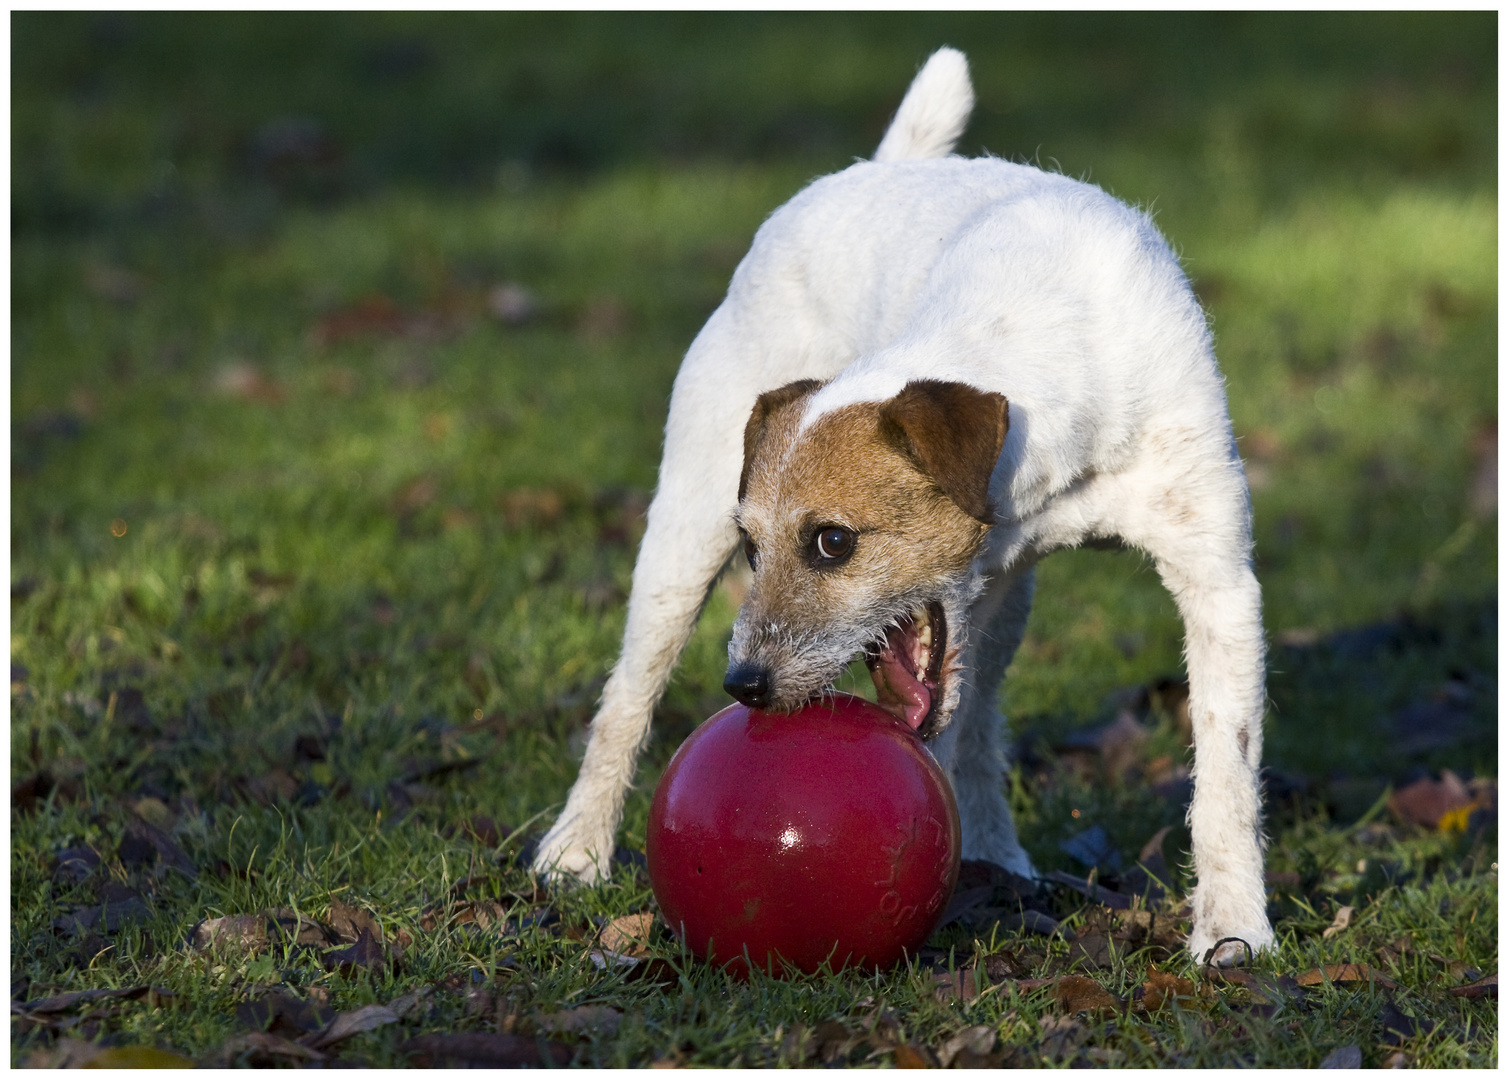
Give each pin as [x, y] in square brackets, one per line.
[971, 748]
[688, 538]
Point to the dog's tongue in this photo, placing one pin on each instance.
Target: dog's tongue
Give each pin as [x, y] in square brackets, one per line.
[898, 690]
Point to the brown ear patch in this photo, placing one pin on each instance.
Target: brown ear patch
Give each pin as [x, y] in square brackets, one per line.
[953, 433]
[769, 402]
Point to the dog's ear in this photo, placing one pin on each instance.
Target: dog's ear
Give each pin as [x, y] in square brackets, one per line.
[771, 401]
[953, 433]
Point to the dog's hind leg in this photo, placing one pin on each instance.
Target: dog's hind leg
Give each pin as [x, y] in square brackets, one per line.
[972, 748]
[689, 536]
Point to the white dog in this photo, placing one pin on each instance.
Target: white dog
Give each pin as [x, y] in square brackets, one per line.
[928, 373]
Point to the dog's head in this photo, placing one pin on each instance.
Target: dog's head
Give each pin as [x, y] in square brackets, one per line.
[861, 528]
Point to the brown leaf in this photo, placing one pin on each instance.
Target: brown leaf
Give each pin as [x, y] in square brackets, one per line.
[1427, 801]
[1094, 950]
[1486, 987]
[241, 933]
[1341, 922]
[63, 1002]
[348, 922]
[261, 1049]
[978, 1040]
[366, 954]
[1343, 1057]
[283, 1014]
[1003, 965]
[1061, 1037]
[483, 1050]
[1076, 994]
[955, 986]
[583, 1019]
[142, 837]
[351, 1023]
[628, 934]
[1343, 973]
[1162, 988]
[911, 1056]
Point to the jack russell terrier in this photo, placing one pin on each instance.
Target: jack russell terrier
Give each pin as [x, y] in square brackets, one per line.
[929, 372]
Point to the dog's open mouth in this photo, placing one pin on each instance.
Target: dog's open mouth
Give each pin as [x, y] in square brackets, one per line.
[908, 666]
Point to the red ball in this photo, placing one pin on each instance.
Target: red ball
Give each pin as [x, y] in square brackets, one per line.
[828, 834]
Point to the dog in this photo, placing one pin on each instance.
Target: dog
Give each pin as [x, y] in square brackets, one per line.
[928, 373]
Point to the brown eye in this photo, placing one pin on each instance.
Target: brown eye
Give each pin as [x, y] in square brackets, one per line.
[834, 543]
[749, 551]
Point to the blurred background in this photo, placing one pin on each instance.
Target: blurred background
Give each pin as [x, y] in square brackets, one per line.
[341, 347]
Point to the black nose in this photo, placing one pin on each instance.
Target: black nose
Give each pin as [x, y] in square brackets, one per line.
[749, 683]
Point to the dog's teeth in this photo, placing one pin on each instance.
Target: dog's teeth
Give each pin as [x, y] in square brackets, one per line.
[925, 635]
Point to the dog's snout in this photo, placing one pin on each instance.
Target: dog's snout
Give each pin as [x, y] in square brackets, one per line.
[749, 683]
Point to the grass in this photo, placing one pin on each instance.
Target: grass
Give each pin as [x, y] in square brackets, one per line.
[315, 561]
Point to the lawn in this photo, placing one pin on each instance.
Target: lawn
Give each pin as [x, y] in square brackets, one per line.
[340, 352]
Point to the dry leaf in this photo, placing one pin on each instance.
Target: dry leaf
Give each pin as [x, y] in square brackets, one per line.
[1343, 1057]
[582, 1019]
[262, 1049]
[1485, 987]
[364, 953]
[1162, 988]
[348, 922]
[1345, 973]
[484, 1050]
[1341, 922]
[1075, 994]
[1427, 801]
[628, 934]
[979, 1040]
[351, 1023]
[955, 986]
[911, 1056]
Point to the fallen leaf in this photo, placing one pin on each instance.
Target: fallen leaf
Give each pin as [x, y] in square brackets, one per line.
[365, 953]
[484, 1050]
[1076, 994]
[1343, 1057]
[1343, 973]
[955, 986]
[405, 1004]
[979, 1040]
[237, 932]
[351, 1023]
[348, 922]
[260, 1049]
[1162, 988]
[911, 1056]
[582, 1019]
[1427, 801]
[143, 843]
[628, 934]
[63, 1002]
[1061, 1036]
[1487, 987]
[283, 1014]
[1399, 1027]
[1003, 965]
[1341, 922]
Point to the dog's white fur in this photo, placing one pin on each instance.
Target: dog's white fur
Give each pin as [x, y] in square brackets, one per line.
[1071, 305]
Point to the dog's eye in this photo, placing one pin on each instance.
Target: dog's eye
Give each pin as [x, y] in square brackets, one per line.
[835, 543]
[749, 552]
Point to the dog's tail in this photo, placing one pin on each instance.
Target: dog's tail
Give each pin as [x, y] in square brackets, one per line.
[933, 113]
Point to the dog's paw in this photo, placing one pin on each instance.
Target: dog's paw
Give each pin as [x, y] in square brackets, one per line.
[564, 859]
[1229, 948]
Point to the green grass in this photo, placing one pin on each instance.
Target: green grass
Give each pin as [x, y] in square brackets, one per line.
[324, 536]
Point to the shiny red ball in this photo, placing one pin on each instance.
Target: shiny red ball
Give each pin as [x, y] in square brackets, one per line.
[824, 835]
